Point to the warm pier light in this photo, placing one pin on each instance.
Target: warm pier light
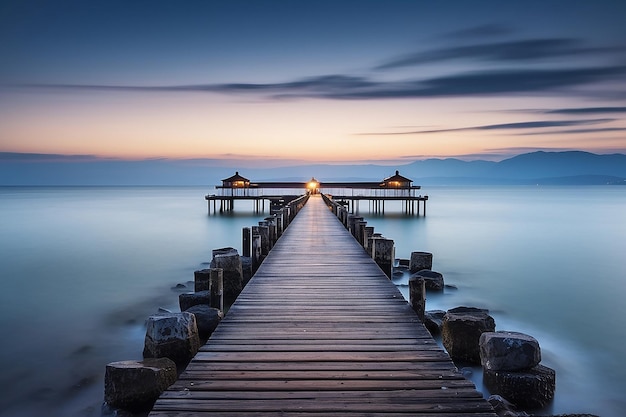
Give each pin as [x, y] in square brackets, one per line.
[313, 185]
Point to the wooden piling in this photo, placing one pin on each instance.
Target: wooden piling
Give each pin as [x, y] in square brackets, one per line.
[359, 227]
[368, 232]
[264, 231]
[417, 296]
[216, 285]
[272, 231]
[245, 241]
[383, 253]
[202, 280]
[256, 249]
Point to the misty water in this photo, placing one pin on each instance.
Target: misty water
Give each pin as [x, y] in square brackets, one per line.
[82, 268]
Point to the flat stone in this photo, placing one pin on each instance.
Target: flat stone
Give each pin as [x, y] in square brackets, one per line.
[136, 385]
[508, 351]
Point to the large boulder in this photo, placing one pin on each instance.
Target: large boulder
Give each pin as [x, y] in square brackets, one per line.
[136, 385]
[508, 351]
[229, 260]
[433, 320]
[461, 330]
[529, 389]
[420, 260]
[207, 319]
[173, 335]
[433, 280]
[189, 299]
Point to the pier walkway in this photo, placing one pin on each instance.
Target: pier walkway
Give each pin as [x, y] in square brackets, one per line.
[320, 330]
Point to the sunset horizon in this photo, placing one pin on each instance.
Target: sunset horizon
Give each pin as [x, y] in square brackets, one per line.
[280, 83]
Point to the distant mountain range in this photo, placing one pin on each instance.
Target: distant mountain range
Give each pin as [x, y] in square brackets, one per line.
[547, 168]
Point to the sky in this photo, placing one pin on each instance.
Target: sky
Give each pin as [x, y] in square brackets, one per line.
[282, 82]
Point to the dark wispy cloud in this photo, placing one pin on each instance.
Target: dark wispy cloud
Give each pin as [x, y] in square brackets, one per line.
[538, 124]
[482, 83]
[481, 31]
[347, 87]
[42, 157]
[508, 51]
[586, 110]
[577, 131]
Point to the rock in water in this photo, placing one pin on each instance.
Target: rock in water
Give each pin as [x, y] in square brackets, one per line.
[529, 389]
[136, 385]
[228, 259]
[461, 330]
[508, 351]
[173, 335]
[189, 299]
[433, 320]
[207, 319]
[420, 260]
[432, 279]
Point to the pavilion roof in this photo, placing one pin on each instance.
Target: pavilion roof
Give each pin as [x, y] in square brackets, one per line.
[236, 177]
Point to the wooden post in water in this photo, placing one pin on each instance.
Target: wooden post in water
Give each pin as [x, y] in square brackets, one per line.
[256, 249]
[216, 285]
[368, 232]
[202, 280]
[354, 222]
[417, 296]
[360, 232]
[245, 241]
[264, 231]
[271, 225]
[383, 253]
[279, 224]
[285, 212]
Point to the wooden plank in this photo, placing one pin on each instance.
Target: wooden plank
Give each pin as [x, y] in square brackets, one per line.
[320, 330]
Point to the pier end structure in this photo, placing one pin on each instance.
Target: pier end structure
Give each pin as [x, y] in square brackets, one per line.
[349, 193]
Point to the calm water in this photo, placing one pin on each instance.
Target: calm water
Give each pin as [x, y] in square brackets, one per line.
[82, 268]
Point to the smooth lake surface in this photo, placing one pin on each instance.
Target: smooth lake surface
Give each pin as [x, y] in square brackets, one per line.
[81, 269]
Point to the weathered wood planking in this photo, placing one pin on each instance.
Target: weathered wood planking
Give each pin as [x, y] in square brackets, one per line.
[320, 330]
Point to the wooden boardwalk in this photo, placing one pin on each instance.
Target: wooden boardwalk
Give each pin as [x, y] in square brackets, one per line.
[320, 330]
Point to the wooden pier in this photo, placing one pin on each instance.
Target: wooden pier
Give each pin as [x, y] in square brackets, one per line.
[393, 188]
[321, 330]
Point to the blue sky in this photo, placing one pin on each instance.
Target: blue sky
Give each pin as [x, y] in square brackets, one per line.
[325, 81]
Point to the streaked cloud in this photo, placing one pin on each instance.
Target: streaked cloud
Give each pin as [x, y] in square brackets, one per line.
[347, 87]
[577, 131]
[501, 126]
[586, 110]
[508, 51]
[480, 31]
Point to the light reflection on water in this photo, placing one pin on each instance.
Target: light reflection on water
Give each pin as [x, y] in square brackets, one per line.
[82, 267]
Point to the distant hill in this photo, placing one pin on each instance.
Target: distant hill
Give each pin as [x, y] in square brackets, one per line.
[574, 167]
[558, 168]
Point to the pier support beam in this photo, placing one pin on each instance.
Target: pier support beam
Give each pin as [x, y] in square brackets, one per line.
[417, 296]
[383, 253]
[256, 249]
[217, 288]
[245, 241]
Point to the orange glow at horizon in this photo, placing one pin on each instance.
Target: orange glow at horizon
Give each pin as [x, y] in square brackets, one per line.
[183, 126]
